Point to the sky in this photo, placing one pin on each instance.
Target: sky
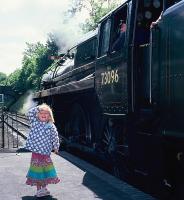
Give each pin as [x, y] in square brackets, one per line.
[30, 21]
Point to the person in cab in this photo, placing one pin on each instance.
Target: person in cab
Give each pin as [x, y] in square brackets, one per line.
[119, 42]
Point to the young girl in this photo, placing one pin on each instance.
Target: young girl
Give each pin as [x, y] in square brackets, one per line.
[42, 139]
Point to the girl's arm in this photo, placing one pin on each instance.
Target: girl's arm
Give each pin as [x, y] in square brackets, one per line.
[32, 114]
[55, 139]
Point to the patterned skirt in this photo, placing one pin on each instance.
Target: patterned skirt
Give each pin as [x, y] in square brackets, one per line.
[41, 171]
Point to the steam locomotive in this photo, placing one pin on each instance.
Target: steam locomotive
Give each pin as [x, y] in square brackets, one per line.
[126, 104]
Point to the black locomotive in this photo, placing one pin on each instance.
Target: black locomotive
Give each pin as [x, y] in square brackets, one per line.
[127, 104]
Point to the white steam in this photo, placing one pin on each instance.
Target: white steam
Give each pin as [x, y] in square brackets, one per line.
[28, 102]
[69, 31]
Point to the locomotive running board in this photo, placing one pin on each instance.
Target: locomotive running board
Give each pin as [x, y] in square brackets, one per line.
[74, 86]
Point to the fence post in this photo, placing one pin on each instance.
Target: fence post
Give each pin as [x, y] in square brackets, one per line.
[7, 132]
[3, 137]
[17, 130]
[13, 131]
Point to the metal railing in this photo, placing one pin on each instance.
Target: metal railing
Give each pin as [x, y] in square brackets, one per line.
[14, 129]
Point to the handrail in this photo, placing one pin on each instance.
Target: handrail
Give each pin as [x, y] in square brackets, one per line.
[11, 123]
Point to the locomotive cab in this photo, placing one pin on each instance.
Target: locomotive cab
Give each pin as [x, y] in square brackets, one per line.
[123, 75]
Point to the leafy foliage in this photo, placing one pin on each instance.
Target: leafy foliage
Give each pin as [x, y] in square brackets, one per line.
[35, 61]
[52, 44]
[3, 77]
[96, 9]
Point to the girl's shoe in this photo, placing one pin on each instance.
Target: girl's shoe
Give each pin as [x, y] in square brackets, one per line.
[39, 193]
[46, 191]
[42, 192]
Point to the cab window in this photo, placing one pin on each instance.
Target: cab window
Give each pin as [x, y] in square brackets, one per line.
[119, 29]
[104, 37]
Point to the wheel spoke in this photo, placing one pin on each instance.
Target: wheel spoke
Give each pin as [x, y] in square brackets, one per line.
[106, 132]
[121, 153]
[106, 136]
[109, 134]
[79, 125]
[105, 141]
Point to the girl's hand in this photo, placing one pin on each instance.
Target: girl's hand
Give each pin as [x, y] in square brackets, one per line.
[55, 151]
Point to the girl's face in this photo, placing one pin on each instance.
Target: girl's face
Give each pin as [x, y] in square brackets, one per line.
[44, 115]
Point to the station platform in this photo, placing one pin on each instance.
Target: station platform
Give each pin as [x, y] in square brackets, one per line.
[79, 180]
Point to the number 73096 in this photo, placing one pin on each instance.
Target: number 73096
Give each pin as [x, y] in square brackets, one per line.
[109, 77]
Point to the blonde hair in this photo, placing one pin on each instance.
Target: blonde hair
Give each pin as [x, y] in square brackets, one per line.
[45, 107]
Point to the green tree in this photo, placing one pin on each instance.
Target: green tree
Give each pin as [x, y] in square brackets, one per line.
[3, 78]
[13, 80]
[36, 60]
[52, 44]
[96, 9]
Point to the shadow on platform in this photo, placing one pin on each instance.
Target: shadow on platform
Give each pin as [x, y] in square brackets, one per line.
[41, 198]
[23, 150]
[101, 187]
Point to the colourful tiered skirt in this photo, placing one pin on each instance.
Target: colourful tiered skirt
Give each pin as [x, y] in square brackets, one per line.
[41, 171]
